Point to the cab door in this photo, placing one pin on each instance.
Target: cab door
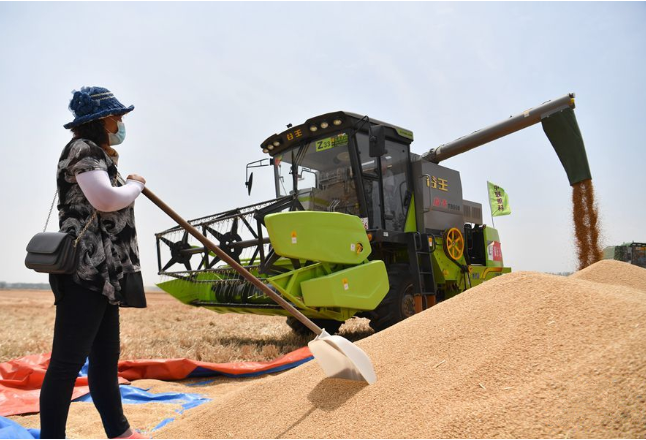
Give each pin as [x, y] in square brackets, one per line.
[387, 209]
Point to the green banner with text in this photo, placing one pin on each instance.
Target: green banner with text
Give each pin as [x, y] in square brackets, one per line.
[498, 200]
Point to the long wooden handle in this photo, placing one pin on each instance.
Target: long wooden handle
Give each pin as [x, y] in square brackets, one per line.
[231, 262]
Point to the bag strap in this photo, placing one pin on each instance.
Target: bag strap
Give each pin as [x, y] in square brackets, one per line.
[87, 224]
[94, 214]
[50, 211]
[85, 228]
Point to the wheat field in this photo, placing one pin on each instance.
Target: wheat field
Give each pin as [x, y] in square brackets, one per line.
[166, 329]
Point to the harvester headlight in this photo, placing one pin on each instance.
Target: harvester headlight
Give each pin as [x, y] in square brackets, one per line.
[270, 147]
[337, 122]
[276, 143]
[324, 125]
[264, 150]
[313, 128]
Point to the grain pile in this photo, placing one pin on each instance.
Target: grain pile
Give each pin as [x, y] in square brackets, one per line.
[525, 355]
[614, 272]
[586, 224]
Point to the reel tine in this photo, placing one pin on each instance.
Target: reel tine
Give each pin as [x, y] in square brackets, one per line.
[215, 233]
[169, 264]
[205, 261]
[167, 241]
[215, 261]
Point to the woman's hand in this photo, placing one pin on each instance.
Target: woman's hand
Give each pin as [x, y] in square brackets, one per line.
[137, 177]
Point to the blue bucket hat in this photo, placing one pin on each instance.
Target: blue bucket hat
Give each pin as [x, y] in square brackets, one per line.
[92, 103]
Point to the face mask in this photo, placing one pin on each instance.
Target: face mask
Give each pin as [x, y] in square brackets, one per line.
[119, 136]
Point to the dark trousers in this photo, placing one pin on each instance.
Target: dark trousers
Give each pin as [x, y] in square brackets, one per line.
[86, 326]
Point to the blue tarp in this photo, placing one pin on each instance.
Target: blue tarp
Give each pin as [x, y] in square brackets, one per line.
[205, 372]
[129, 394]
[135, 395]
[10, 430]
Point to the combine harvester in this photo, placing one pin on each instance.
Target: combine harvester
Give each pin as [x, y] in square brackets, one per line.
[360, 225]
[633, 253]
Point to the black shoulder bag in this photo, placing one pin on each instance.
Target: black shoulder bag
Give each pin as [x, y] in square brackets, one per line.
[54, 252]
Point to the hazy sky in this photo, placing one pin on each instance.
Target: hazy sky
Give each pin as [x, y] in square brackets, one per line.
[211, 81]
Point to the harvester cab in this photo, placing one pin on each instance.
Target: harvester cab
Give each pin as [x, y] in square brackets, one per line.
[326, 161]
[360, 226]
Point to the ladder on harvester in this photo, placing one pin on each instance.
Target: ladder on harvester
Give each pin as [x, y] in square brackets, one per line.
[421, 267]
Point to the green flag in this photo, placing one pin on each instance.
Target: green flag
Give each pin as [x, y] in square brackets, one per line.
[498, 200]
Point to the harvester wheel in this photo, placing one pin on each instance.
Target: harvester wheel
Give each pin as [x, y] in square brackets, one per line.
[399, 302]
[330, 325]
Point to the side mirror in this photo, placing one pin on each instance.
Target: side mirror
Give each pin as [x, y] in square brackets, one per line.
[248, 184]
[256, 164]
[377, 136]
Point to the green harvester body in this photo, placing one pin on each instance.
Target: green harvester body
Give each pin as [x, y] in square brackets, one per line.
[361, 226]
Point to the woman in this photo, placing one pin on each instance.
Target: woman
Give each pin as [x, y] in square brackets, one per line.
[95, 205]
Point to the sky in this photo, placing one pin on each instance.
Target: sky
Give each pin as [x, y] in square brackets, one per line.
[211, 81]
